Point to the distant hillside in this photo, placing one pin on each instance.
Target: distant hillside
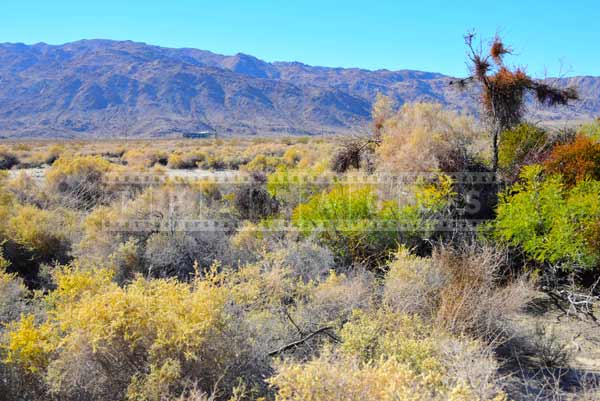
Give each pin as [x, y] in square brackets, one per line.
[102, 88]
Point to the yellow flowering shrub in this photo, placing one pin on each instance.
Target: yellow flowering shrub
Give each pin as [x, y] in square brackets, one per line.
[79, 166]
[156, 329]
[423, 137]
[42, 232]
[28, 345]
[80, 181]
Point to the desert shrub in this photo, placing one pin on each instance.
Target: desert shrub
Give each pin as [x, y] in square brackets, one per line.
[412, 284]
[213, 162]
[263, 164]
[13, 294]
[37, 236]
[253, 201]
[292, 156]
[352, 221]
[141, 341]
[160, 226]
[591, 130]
[26, 190]
[475, 298]
[280, 308]
[188, 160]
[292, 186]
[42, 232]
[308, 260]
[53, 153]
[22, 147]
[80, 181]
[332, 301]
[7, 203]
[7, 160]
[523, 144]
[174, 254]
[384, 356]
[551, 222]
[348, 157]
[144, 158]
[423, 137]
[575, 161]
[461, 289]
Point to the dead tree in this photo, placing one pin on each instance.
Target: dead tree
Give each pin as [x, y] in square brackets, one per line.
[503, 89]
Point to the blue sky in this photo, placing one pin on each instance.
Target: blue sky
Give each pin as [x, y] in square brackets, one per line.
[550, 37]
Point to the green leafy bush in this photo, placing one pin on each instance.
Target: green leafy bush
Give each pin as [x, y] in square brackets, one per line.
[520, 145]
[550, 222]
[357, 226]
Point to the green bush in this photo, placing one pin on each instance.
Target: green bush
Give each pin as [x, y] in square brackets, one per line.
[359, 227]
[551, 223]
[520, 145]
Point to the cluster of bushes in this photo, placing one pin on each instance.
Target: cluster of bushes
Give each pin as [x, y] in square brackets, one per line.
[242, 333]
[310, 280]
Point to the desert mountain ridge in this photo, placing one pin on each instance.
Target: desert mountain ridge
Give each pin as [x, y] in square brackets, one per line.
[107, 89]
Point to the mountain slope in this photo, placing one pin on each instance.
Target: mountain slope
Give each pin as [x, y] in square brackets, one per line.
[102, 88]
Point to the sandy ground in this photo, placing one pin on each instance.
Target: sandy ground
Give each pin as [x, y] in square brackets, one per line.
[39, 173]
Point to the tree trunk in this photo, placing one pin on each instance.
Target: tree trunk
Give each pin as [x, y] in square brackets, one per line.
[495, 135]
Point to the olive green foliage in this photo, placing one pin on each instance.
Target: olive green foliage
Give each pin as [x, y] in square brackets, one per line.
[520, 145]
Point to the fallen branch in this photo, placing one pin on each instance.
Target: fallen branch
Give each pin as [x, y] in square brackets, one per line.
[322, 330]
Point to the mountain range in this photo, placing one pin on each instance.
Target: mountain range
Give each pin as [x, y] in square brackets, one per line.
[109, 89]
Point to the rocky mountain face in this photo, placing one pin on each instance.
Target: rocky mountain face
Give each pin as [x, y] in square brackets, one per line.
[104, 89]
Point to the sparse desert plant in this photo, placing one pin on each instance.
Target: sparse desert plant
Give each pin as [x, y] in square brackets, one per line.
[423, 137]
[377, 362]
[189, 160]
[144, 159]
[253, 201]
[53, 153]
[263, 164]
[80, 181]
[458, 289]
[7, 159]
[13, 294]
[504, 90]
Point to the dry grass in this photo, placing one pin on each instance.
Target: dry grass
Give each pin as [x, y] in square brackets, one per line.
[460, 289]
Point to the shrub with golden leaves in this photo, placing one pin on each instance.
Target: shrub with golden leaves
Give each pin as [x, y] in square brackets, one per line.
[79, 180]
[423, 137]
[140, 334]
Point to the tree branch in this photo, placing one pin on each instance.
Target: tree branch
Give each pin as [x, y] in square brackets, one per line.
[322, 330]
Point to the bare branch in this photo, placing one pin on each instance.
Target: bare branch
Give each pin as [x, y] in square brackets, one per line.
[322, 330]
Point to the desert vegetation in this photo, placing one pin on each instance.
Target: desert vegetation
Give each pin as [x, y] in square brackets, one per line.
[298, 269]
